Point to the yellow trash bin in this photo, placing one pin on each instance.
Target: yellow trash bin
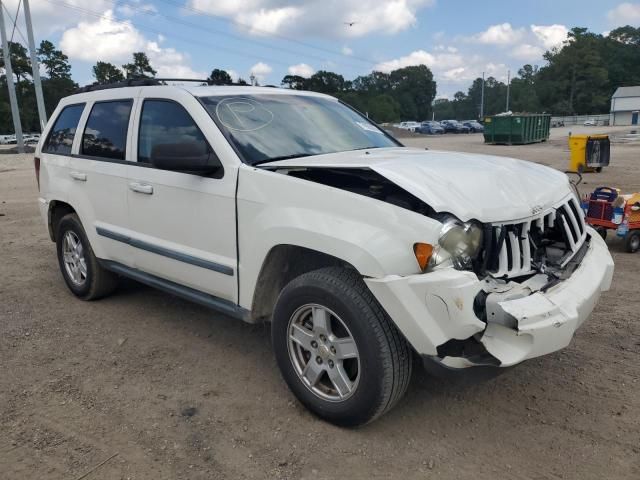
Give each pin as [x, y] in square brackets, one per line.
[589, 153]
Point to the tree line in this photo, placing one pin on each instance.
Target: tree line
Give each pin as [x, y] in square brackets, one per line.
[578, 77]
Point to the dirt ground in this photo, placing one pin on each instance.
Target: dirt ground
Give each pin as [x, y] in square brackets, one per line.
[143, 385]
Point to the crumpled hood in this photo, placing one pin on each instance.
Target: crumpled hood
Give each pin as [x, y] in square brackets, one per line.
[470, 186]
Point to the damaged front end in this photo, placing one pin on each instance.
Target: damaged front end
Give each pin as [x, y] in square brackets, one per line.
[494, 293]
[531, 286]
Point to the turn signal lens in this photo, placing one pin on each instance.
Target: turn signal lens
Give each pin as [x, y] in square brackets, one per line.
[423, 253]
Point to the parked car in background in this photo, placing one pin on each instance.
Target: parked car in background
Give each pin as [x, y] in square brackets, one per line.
[454, 126]
[474, 126]
[411, 126]
[430, 128]
[27, 139]
[592, 122]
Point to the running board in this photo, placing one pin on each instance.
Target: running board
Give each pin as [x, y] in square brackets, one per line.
[196, 296]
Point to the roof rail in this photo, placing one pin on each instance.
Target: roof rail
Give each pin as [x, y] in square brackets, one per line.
[144, 82]
[137, 82]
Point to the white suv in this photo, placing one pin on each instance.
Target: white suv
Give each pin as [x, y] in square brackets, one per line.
[287, 206]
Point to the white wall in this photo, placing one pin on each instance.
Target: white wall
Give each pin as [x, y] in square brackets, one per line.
[625, 104]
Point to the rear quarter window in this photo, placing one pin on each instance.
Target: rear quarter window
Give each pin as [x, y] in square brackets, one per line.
[64, 130]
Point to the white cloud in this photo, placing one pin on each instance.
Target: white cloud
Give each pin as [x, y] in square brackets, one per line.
[264, 22]
[527, 52]
[502, 34]
[347, 51]
[325, 18]
[233, 74]
[49, 18]
[260, 70]
[419, 57]
[102, 40]
[624, 14]
[115, 42]
[550, 35]
[438, 62]
[171, 63]
[301, 69]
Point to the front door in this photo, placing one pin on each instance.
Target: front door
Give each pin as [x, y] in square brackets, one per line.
[182, 225]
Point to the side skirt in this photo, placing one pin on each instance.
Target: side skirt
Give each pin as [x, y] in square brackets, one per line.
[196, 296]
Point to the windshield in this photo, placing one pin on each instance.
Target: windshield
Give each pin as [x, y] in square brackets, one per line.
[276, 126]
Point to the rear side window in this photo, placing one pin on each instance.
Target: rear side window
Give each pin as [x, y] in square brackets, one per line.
[64, 130]
[106, 132]
[164, 122]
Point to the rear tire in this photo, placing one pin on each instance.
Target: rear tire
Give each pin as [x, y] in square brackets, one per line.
[84, 276]
[632, 241]
[380, 360]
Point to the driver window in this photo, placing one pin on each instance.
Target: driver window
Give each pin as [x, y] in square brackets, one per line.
[166, 125]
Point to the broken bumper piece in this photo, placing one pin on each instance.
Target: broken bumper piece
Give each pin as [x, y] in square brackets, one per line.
[514, 322]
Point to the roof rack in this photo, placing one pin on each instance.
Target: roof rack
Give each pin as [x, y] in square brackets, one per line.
[138, 82]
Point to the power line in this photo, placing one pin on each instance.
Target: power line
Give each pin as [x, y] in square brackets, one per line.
[14, 22]
[158, 32]
[269, 33]
[195, 26]
[174, 19]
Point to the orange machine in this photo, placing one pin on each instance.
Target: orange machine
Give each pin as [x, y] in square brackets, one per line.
[607, 209]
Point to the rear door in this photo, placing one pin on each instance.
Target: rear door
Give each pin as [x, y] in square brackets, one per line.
[88, 159]
[183, 225]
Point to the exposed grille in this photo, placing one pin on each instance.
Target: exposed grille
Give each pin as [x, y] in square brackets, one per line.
[514, 245]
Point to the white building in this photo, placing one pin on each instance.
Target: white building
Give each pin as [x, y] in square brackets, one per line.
[625, 106]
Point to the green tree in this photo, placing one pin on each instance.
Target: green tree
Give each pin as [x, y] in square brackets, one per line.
[575, 79]
[140, 67]
[524, 97]
[383, 108]
[105, 72]
[326, 82]
[54, 61]
[414, 89]
[220, 77]
[20, 61]
[294, 82]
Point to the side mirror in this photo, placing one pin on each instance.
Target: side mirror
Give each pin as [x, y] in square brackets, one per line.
[193, 157]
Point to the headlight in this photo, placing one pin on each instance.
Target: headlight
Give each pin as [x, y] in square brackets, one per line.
[459, 242]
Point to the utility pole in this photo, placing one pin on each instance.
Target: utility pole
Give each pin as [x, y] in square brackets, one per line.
[15, 111]
[508, 88]
[482, 98]
[35, 68]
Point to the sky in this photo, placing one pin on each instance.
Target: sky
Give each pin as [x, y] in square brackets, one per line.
[456, 39]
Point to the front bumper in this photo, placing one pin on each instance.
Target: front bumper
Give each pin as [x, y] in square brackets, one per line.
[435, 308]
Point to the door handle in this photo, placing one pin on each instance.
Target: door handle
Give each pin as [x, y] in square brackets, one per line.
[81, 177]
[141, 188]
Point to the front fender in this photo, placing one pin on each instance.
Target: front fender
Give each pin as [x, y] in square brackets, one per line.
[274, 209]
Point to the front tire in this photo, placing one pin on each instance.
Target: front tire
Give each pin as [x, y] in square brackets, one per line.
[82, 273]
[337, 349]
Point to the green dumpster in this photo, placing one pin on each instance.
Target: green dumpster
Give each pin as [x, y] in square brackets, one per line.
[516, 129]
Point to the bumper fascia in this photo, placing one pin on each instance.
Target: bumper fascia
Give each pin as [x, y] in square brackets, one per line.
[431, 309]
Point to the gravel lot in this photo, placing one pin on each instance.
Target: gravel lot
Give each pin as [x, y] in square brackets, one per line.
[144, 385]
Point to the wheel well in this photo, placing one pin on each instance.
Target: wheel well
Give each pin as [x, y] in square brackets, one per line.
[57, 210]
[283, 264]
